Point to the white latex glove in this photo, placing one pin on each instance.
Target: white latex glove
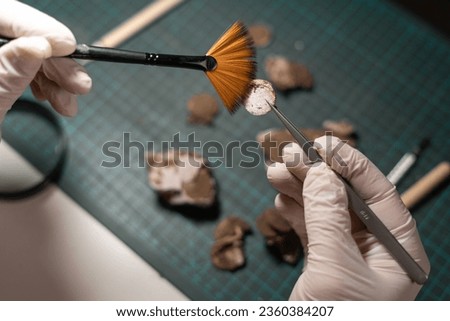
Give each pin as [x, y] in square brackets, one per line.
[343, 261]
[26, 60]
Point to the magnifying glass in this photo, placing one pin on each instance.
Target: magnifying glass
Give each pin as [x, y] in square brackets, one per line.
[32, 151]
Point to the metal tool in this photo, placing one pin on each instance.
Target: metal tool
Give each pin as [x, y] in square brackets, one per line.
[406, 162]
[361, 209]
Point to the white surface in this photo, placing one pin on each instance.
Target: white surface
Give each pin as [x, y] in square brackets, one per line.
[52, 249]
[261, 94]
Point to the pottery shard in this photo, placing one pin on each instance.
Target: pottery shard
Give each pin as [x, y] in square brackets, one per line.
[279, 235]
[227, 252]
[181, 178]
[261, 34]
[272, 141]
[340, 128]
[288, 75]
[202, 109]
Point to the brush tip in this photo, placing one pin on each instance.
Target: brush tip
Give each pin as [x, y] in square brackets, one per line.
[234, 54]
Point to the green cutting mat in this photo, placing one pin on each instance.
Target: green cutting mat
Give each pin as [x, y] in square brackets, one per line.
[373, 64]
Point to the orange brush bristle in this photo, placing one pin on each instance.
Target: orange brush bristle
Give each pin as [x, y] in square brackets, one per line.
[235, 66]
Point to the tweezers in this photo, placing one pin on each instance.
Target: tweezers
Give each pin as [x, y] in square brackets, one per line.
[361, 209]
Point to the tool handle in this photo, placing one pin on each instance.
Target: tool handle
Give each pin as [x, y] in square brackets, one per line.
[377, 228]
[203, 63]
[137, 22]
[426, 185]
[87, 52]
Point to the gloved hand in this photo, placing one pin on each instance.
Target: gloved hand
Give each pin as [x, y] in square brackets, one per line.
[26, 60]
[343, 261]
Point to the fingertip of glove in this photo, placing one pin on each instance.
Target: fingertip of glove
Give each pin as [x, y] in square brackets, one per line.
[329, 148]
[288, 148]
[292, 155]
[296, 161]
[279, 202]
[84, 82]
[62, 45]
[277, 171]
[326, 140]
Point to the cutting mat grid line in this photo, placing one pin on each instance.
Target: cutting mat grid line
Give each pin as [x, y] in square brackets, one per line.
[373, 64]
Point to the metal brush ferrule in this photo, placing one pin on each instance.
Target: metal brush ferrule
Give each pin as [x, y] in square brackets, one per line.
[211, 63]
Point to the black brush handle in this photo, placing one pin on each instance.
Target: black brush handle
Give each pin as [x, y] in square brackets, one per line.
[86, 52]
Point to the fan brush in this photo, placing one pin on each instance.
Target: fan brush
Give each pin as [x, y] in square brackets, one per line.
[229, 64]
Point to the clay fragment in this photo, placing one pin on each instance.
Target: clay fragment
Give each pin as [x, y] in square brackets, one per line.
[340, 128]
[287, 75]
[281, 239]
[261, 34]
[272, 141]
[231, 225]
[181, 178]
[227, 252]
[202, 109]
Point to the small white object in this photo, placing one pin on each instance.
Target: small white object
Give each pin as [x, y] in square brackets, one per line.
[261, 92]
[403, 165]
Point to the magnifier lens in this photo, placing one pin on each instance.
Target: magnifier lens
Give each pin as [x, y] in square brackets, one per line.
[32, 149]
